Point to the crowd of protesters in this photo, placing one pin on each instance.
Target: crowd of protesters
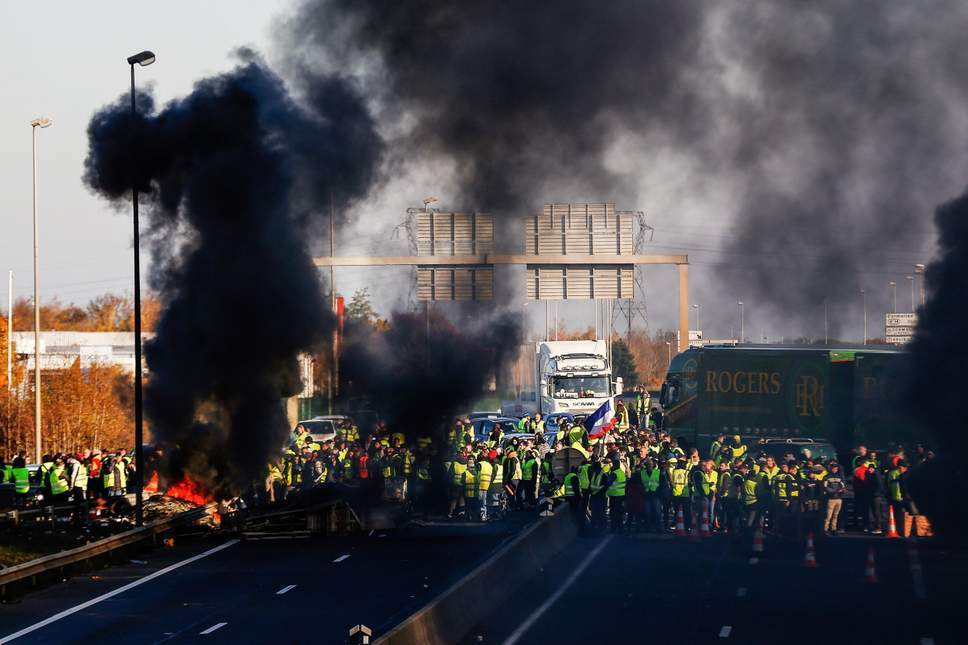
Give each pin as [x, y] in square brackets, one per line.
[64, 478]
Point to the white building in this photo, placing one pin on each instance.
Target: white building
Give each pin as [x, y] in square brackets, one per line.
[59, 349]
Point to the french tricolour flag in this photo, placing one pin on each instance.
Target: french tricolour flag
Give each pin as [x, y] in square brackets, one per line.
[601, 420]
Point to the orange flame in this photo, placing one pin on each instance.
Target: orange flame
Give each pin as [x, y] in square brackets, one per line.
[189, 491]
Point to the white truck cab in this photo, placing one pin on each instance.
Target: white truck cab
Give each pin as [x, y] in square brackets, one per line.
[573, 376]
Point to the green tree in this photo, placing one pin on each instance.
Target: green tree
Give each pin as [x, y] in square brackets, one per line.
[360, 307]
[623, 363]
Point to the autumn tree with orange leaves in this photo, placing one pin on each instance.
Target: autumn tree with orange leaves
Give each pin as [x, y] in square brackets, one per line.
[81, 407]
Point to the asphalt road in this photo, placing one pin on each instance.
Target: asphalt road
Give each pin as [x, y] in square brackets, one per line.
[278, 591]
[629, 589]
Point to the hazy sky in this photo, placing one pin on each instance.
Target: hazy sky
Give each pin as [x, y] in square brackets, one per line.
[69, 60]
[65, 61]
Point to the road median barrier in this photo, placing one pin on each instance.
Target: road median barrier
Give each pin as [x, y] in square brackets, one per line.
[452, 614]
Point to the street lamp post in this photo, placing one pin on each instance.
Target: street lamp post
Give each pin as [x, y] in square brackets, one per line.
[742, 323]
[669, 352]
[863, 295]
[144, 58]
[42, 122]
[910, 279]
[919, 269]
[894, 293]
[696, 307]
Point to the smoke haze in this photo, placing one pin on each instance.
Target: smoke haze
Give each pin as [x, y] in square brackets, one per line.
[233, 177]
[793, 150]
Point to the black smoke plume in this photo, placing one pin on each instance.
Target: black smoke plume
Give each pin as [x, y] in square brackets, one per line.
[938, 356]
[235, 178]
[419, 380]
[817, 126]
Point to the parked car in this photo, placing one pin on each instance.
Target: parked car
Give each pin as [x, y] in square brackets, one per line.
[483, 426]
[551, 420]
[473, 416]
[319, 429]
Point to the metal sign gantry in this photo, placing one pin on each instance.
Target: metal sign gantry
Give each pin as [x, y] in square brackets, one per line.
[489, 260]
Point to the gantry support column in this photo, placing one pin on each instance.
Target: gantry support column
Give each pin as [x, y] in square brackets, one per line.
[683, 307]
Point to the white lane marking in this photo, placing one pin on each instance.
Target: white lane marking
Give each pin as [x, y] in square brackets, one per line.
[111, 594]
[917, 575]
[741, 592]
[342, 557]
[285, 589]
[927, 640]
[212, 628]
[754, 560]
[526, 625]
[725, 631]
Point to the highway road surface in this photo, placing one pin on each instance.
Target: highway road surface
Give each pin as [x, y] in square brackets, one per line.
[626, 589]
[270, 591]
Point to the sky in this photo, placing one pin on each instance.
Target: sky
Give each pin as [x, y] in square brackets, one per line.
[64, 63]
[70, 61]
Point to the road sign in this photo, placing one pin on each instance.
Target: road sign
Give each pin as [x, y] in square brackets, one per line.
[901, 320]
[899, 327]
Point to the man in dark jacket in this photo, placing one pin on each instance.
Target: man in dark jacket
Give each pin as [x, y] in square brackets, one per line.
[834, 489]
[877, 494]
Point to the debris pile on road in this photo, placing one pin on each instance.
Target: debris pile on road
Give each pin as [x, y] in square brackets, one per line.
[159, 507]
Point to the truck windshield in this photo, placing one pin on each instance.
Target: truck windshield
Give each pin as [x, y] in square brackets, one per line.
[579, 387]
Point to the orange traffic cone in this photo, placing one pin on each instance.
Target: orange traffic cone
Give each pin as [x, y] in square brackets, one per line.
[704, 527]
[810, 559]
[870, 574]
[680, 524]
[758, 539]
[891, 525]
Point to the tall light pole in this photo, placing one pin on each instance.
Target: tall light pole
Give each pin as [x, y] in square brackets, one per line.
[894, 293]
[669, 352]
[9, 331]
[919, 269]
[144, 58]
[742, 322]
[910, 279]
[863, 295]
[41, 122]
[696, 307]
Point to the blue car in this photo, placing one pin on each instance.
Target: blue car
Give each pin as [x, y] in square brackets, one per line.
[552, 420]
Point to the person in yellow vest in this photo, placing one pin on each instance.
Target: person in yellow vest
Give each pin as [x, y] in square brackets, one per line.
[469, 479]
[485, 473]
[273, 477]
[58, 483]
[571, 491]
[649, 475]
[455, 494]
[495, 492]
[598, 477]
[739, 448]
[622, 417]
[20, 476]
[615, 491]
[680, 491]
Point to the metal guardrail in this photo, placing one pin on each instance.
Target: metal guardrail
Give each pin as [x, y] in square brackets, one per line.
[94, 549]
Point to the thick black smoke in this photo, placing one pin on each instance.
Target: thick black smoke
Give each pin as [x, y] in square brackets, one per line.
[235, 178]
[938, 356]
[820, 125]
[418, 382]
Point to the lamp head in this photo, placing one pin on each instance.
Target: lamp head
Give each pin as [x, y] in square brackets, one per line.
[144, 58]
[42, 122]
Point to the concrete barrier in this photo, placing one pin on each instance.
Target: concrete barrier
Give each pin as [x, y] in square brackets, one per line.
[449, 617]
